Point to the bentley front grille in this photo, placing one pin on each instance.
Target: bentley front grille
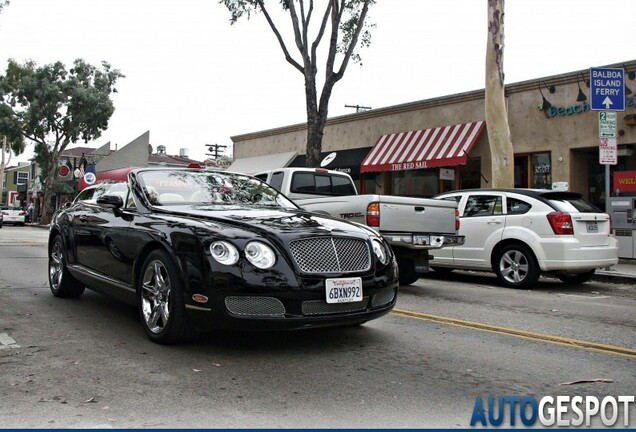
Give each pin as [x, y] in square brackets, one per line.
[321, 307]
[250, 306]
[384, 297]
[331, 255]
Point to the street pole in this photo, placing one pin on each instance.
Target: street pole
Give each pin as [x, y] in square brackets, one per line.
[607, 188]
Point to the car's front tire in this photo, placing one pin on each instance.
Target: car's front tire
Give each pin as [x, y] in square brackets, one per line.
[61, 282]
[575, 278]
[516, 266]
[160, 299]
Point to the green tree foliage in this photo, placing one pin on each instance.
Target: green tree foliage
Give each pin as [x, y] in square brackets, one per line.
[342, 23]
[54, 107]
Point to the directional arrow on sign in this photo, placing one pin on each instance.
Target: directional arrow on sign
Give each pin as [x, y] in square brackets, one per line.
[607, 102]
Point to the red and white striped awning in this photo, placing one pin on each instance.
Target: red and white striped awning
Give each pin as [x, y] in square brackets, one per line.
[426, 148]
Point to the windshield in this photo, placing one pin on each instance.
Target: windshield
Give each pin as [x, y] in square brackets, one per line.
[209, 188]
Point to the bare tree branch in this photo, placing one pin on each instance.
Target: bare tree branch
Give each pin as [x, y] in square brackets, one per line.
[281, 42]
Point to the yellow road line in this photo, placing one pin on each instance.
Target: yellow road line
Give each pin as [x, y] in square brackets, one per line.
[557, 340]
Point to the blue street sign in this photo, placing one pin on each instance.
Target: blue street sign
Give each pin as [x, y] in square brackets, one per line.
[607, 89]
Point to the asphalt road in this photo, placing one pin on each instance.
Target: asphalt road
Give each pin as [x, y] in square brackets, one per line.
[87, 362]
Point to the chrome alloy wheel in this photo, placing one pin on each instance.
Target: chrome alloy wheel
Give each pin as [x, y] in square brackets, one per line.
[56, 266]
[514, 266]
[155, 296]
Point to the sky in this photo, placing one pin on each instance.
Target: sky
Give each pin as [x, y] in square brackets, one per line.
[193, 79]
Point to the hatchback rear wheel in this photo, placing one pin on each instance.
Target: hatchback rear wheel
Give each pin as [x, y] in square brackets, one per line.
[516, 266]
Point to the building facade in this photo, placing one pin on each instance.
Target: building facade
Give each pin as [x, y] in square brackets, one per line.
[15, 184]
[554, 132]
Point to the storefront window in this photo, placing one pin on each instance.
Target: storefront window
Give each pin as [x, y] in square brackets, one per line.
[533, 170]
[416, 183]
[541, 171]
[470, 174]
[370, 182]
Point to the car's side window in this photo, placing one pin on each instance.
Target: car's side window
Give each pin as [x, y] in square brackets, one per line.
[303, 183]
[456, 199]
[483, 205]
[277, 180]
[516, 206]
[85, 195]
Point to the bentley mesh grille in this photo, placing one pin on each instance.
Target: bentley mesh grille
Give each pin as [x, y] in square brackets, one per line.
[321, 307]
[255, 306]
[331, 254]
[383, 297]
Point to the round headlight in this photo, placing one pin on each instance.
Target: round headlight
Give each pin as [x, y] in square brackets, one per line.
[224, 252]
[380, 251]
[259, 254]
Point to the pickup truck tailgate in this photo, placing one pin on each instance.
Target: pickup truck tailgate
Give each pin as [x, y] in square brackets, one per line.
[427, 215]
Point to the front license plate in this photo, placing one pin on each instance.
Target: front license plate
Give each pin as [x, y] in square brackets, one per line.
[592, 227]
[421, 239]
[343, 290]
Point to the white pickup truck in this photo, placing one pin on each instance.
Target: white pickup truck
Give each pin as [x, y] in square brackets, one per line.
[413, 226]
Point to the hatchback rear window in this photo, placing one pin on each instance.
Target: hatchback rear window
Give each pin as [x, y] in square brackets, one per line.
[575, 205]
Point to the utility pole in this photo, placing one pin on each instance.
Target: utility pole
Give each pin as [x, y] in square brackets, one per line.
[215, 150]
[358, 107]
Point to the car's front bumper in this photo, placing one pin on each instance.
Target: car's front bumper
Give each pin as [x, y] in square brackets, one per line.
[297, 304]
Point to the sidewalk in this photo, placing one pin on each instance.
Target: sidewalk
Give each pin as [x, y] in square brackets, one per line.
[623, 272]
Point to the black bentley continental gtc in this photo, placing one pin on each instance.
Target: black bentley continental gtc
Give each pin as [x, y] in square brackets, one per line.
[197, 250]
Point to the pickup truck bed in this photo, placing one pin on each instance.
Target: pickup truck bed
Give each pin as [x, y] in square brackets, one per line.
[413, 226]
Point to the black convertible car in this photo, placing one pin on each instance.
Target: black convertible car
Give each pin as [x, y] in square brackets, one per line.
[197, 250]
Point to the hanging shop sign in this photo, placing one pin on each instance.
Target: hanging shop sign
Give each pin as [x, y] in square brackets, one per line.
[578, 108]
[447, 174]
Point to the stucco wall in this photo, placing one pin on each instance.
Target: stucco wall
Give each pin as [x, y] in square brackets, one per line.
[531, 130]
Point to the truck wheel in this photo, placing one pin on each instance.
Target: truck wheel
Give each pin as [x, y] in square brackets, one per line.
[408, 275]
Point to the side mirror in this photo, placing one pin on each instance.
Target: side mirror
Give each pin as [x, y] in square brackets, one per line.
[114, 201]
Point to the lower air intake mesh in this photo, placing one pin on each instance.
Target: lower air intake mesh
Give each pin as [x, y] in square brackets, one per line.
[255, 306]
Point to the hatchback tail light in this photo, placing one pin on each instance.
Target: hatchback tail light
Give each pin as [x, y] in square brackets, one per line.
[561, 223]
[373, 214]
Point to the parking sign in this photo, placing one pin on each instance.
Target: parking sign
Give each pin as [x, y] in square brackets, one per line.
[607, 151]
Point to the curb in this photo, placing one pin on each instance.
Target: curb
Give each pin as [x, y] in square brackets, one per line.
[614, 278]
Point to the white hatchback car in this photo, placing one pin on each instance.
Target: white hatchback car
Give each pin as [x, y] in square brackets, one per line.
[13, 215]
[520, 233]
